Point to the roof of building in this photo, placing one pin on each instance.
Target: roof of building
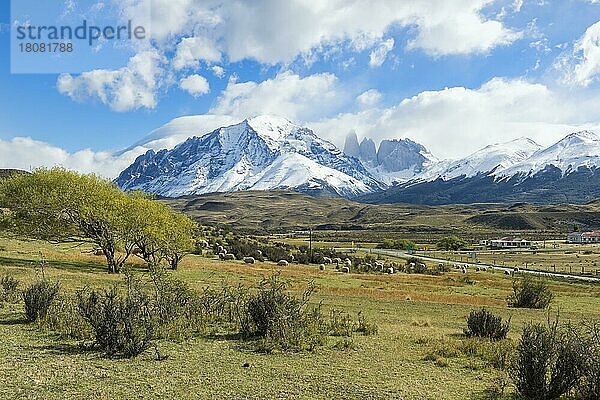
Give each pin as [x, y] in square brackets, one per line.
[510, 239]
[591, 234]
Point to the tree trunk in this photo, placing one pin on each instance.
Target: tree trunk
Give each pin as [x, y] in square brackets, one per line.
[109, 253]
[175, 262]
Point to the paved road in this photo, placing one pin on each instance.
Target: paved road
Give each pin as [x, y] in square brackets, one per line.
[402, 254]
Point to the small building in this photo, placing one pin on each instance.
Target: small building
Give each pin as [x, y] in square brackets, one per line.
[584, 237]
[510, 242]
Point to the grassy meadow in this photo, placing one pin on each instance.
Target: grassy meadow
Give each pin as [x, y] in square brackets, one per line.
[419, 351]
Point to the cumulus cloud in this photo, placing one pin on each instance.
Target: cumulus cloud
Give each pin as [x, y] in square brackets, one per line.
[279, 31]
[451, 122]
[369, 98]
[127, 88]
[26, 154]
[454, 121]
[439, 34]
[198, 33]
[190, 51]
[379, 54]
[218, 71]
[287, 94]
[196, 85]
[587, 50]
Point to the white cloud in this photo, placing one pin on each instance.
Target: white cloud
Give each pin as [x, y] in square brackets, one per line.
[453, 29]
[279, 31]
[369, 98]
[455, 121]
[587, 50]
[195, 33]
[287, 94]
[190, 51]
[451, 122]
[125, 89]
[379, 54]
[196, 85]
[26, 154]
[218, 71]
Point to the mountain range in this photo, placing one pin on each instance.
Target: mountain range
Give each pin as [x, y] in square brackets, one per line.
[272, 153]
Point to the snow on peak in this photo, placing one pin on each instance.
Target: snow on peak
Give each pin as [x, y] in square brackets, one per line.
[579, 149]
[494, 157]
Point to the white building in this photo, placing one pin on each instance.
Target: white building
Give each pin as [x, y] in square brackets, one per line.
[509, 242]
[584, 237]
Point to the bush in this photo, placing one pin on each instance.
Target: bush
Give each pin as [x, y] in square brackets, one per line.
[38, 299]
[364, 327]
[123, 325]
[9, 289]
[530, 292]
[452, 243]
[62, 317]
[483, 323]
[282, 321]
[589, 385]
[340, 323]
[549, 362]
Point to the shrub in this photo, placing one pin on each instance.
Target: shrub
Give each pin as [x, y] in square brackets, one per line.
[123, 325]
[530, 292]
[483, 323]
[548, 363]
[589, 386]
[62, 317]
[340, 323]
[38, 299]
[9, 289]
[364, 327]
[282, 321]
[453, 243]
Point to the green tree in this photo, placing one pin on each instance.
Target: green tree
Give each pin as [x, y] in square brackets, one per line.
[59, 205]
[451, 243]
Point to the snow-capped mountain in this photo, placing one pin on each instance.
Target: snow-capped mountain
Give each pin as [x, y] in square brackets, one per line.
[261, 153]
[266, 153]
[518, 171]
[579, 149]
[395, 161]
[491, 159]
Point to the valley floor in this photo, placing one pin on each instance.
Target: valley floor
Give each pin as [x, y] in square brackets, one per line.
[414, 355]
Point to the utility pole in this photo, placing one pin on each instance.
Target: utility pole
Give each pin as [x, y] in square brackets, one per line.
[310, 244]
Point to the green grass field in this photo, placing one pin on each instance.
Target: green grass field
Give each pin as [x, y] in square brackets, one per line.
[413, 356]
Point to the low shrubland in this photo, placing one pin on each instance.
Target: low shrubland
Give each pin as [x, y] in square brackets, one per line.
[483, 323]
[127, 319]
[530, 292]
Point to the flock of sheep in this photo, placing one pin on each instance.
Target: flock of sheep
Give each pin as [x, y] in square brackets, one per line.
[341, 265]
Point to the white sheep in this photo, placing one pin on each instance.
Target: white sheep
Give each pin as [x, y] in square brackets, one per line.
[390, 270]
[322, 267]
[222, 256]
[337, 260]
[464, 270]
[345, 270]
[229, 257]
[249, 260]
[348, 263]
[282, 263]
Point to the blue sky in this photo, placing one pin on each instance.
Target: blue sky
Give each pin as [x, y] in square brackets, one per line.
[511, 65]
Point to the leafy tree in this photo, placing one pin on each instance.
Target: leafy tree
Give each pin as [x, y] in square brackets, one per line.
[451, 243]
[59, 205]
